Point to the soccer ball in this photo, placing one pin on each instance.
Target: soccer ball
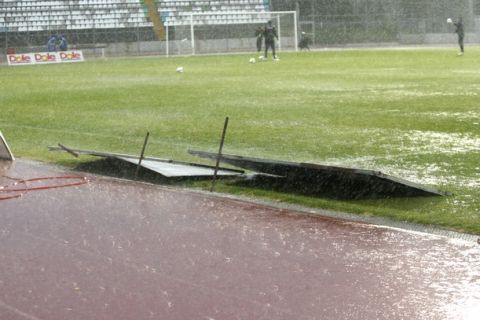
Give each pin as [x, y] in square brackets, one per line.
[449, 20]
[180, 69]
[252, 60]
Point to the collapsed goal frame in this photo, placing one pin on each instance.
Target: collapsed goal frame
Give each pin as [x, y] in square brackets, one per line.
[5, 152]
[192, 33]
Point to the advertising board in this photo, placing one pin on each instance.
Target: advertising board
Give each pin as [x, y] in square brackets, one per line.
[45, 58]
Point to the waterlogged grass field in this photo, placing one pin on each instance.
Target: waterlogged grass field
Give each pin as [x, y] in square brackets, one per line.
[414, 114]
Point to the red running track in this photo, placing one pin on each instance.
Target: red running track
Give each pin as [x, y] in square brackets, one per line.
[117, 250]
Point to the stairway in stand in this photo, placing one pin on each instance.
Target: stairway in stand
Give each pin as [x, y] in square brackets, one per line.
[155, 18]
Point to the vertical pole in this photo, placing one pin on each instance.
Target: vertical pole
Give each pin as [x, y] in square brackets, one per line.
[167, 42]
[141, 155]
[138, 39]
[295, 30]
[314, 28]
[94, 41]
[279, 33]
[6, 32]
[192, 34]
[219, 154]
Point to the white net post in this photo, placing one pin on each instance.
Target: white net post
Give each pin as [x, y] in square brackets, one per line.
[192, 33]
[279, 31]
[167, 42]
[295, 31]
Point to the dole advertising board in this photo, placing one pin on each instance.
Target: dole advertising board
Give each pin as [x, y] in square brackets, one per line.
[44, 58]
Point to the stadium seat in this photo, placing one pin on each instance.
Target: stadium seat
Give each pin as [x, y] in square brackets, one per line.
[41, 15]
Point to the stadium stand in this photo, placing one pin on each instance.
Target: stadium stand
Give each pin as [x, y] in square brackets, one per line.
[41, 15]
[177, 12]
[24, 16]
[86, 23]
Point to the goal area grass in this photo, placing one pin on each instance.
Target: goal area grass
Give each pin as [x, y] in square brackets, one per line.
[410, 113]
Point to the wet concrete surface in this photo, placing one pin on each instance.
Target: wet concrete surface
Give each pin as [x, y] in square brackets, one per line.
[113, 249]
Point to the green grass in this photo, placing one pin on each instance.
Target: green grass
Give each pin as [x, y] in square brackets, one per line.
[414, 114]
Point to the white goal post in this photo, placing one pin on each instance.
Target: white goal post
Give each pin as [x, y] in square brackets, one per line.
[190, 33]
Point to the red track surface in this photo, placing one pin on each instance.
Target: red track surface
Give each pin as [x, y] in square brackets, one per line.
[121, 250]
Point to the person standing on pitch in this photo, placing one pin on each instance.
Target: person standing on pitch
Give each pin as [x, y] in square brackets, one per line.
[259, 37]
[459, 30]
[270, 33]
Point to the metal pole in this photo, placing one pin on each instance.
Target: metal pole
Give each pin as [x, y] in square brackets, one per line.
[192, 34]
[6, 32]
[167, 42]
[138, 38]
[141, 155]
[279, 34]
[73, 153]
[94, 38]
[219, 154]
[295, 30]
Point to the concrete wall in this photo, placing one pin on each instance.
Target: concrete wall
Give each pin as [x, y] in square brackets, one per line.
[178, 47]
[437, 38]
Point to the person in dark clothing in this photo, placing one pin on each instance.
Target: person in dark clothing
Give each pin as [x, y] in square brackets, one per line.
[52, 43]
[270, 34]
[305, 42]
[259, 37]
[63, 44]
[459, 30]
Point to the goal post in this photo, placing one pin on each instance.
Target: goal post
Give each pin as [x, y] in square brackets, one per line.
[190, 33]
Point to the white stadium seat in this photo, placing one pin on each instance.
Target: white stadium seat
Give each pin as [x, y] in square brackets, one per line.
[43, 14]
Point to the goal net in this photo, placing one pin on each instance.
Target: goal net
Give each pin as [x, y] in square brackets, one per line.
[190, 33]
